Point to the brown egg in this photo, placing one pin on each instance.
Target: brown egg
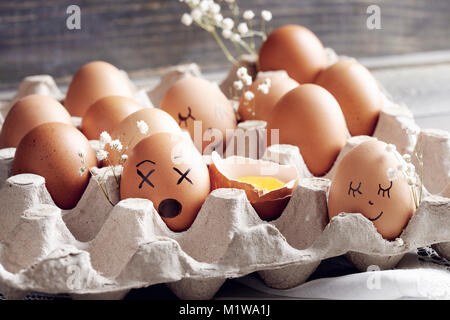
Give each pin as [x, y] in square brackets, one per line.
[51, 151]
[295, 49]
[168, 170]
[128, 132]
[28, 113]
[357, 92]
[93, 81]
[310, 118]
[106, 114]
[361, 185]
[195, 99]
[262, 104]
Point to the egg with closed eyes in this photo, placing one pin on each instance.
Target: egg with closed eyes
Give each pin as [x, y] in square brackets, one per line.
[362, 184]
[167, 169]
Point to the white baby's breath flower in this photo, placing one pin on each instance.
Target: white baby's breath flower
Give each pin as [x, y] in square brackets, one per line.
[186, 19]
[116, 145]
[264, 88]
[81, 171]
[410, 168]
[142, 126]
[238, 85]
[249, 96]
[248, 15]
[268, 82]
[124, 157]
[401, 167]
[243, 28]
[102, 155]
[204, 6]
[226, 33]
[81, 154]
[214, 8]
[196, 14]
[105, 138]
[411, 181]
[242, 72]
[407, 157]
[390, 147]
[230, 1]
[218, 18]
[194, 2]
[228, 24]
[392, 174]
[247, 80]
[266, 15]
[235, 37]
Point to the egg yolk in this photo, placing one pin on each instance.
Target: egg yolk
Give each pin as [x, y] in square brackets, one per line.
[268, 183]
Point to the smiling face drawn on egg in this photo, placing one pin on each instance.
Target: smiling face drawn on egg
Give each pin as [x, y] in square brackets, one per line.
[184, 119]
[361, 185]
[168, 170]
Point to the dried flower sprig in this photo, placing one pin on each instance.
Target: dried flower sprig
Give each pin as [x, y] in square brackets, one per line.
[207, 14]
[102, 156]
[405, 167]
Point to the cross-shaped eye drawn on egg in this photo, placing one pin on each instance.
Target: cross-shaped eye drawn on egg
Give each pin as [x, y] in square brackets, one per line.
[184, 119]
[145, 178]
[385, 190]
[183, 175]
[354, 190]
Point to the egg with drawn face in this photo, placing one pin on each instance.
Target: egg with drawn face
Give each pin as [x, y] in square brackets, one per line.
[167, 169]
[361, 185]
[200, 107]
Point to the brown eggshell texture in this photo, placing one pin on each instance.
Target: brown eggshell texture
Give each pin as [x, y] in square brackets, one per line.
[262, 104]
[295, 49]
[357, 93]
[28, 113]
[168, 170]
[310, 118]
[93, 81]
[106, 114]
[193, 98]
[361, 185]
[268, 204]
[128, 132]
[51, 151]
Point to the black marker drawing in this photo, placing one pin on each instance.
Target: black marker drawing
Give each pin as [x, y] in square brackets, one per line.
[183, 176]
[385, 190]
[185, 119]
[145, 178]
[350, 189]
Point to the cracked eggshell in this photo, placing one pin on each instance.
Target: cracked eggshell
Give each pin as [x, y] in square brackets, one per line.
[168, 170]
[28, 113]
[93, 81]
[105, 114]
[361, 185]
[310, 118]
[51, 151]
[268, 204]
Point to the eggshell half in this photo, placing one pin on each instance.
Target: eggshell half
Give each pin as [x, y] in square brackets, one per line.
[295, 49]
[93, 81]
[106, 114]
[361, 185]
[268, 204]
[357, 92]
[51, 151]
[310, 118]
[168, 170]
[28, 113]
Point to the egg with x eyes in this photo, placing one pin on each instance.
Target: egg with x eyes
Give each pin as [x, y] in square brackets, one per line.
[361, 185]
[167, 169]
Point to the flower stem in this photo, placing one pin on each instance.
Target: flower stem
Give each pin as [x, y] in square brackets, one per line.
[223, 47]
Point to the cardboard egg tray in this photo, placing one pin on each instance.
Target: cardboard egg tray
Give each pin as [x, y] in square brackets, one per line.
[101, 252]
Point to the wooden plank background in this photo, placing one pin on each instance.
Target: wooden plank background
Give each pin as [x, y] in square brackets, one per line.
[140, 35]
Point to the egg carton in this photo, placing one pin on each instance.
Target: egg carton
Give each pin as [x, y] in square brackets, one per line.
[101, 252]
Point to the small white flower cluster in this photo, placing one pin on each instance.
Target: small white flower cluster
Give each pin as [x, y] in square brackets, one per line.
[82, 156]
[407, 168]
[265, 86]
[208, 15]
